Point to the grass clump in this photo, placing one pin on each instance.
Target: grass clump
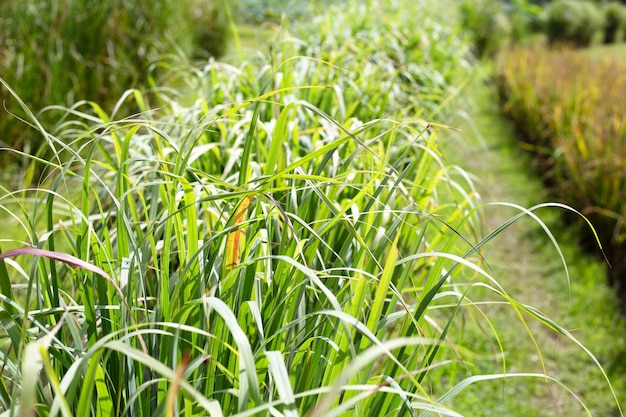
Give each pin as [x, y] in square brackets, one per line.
[575, 121]
[274, 244]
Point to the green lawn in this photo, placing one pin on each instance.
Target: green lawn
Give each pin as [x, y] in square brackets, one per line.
[601, 51]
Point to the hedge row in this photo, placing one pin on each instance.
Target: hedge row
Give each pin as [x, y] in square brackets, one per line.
[576, 122]
[575, 23]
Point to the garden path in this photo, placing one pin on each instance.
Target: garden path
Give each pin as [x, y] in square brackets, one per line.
[528, 266]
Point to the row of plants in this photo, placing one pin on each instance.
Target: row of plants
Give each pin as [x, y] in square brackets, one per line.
[575, 122]
[492, 23]
[259, 243]
[58, 52]
[280, 237]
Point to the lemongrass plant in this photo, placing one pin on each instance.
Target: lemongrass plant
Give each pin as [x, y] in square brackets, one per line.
[262, 250]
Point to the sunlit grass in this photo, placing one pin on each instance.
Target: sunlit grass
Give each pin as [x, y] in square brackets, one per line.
[283, 238]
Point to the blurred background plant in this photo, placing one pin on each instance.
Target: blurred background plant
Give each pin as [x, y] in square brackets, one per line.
[495, 24]
[573, 22]
[62, 52]
[262, 11]
[615, 20]
[487, 24]
[526, 19]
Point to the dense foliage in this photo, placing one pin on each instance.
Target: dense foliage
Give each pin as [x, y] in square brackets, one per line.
[280, 237]
[486, 23]
[615, 20]
[494, 24]
[55, 52]
[573, 22]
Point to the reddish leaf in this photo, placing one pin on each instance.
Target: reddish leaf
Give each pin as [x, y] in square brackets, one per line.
[70, 260]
